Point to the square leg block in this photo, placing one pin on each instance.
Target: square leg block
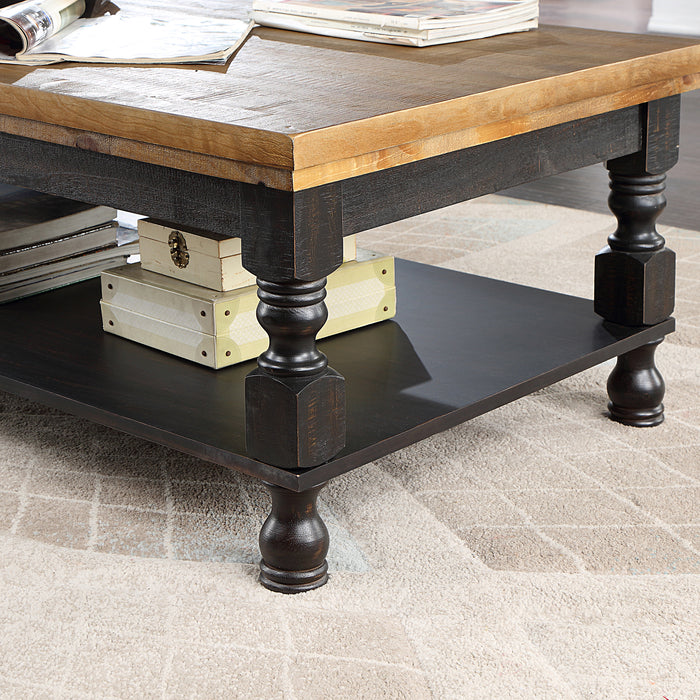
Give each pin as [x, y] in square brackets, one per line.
[635, 289]
[295, 423]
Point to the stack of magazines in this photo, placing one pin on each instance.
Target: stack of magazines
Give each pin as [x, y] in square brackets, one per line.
[413, 23]
[47, 242]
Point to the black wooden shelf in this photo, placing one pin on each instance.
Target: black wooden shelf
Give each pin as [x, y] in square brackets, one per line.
[460, 346]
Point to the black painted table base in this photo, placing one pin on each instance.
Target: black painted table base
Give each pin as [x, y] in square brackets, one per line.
[497, 342]
[460, 346]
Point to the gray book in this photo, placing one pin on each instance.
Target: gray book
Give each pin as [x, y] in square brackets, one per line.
[47, 251]
[28, 217]
[44, 284]
[64, 265]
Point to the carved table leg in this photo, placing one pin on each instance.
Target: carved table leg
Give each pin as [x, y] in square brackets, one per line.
[636, 388]
[635, 287]
[635, 272]
[293, 542]
[295, 403]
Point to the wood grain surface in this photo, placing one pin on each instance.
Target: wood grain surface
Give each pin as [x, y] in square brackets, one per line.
[324, 109]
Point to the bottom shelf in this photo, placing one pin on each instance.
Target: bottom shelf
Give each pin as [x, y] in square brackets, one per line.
[460, 346]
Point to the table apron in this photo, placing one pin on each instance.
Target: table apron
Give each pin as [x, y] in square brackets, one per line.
[366, 201]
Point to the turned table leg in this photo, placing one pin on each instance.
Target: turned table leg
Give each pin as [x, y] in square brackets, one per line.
[636, 388]
[635, 272]
[293, 542]
[295, 418]
[295, 403]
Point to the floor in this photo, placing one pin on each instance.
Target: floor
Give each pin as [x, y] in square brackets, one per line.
[587, 188]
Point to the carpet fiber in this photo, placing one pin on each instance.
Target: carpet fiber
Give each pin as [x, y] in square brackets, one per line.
[566, 564]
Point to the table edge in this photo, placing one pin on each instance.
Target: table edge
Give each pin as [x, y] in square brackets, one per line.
[295, 162]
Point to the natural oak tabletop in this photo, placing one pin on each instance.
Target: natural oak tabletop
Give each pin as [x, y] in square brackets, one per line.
[297, 110]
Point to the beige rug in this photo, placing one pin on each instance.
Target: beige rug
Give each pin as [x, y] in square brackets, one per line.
[566, 564]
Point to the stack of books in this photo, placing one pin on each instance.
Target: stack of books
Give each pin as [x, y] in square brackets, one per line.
[191, 296]
[412, 23]
[48, 242]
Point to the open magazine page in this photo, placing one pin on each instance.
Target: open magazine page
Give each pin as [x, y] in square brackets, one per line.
[137, 38]
[140, 34]
[24, 25]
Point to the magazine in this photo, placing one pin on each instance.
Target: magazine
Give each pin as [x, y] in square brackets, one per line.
[39, 32]
[415, 23]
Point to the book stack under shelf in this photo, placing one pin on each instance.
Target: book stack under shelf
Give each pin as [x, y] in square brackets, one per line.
[47, 242]
[191, 296]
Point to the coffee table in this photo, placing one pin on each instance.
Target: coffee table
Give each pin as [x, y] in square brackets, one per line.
[300, 141]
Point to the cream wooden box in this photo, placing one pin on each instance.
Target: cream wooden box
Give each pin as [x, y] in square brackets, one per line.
[200, 257]
[218, 329]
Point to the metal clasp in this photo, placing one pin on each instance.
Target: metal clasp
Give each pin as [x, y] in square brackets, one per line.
[178, 249]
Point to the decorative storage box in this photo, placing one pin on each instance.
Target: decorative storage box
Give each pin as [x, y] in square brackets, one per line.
[218, 329]
[200, 257]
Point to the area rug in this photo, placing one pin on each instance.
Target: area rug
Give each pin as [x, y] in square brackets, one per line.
[539, 551]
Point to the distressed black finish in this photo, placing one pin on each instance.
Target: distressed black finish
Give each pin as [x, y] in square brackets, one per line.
[187, 198]
[636, 388]
[408, 190]
[295, 404]
[284, 421]
[661, 134]
[580, 189]
[635, 272]
[285, 236]
[292, 314]
[264, 216]
[290, 236]
[293, 542]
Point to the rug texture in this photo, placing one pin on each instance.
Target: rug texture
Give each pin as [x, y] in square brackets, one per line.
[539, 551]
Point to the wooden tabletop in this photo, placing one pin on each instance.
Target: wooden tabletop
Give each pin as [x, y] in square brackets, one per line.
[297, 110]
